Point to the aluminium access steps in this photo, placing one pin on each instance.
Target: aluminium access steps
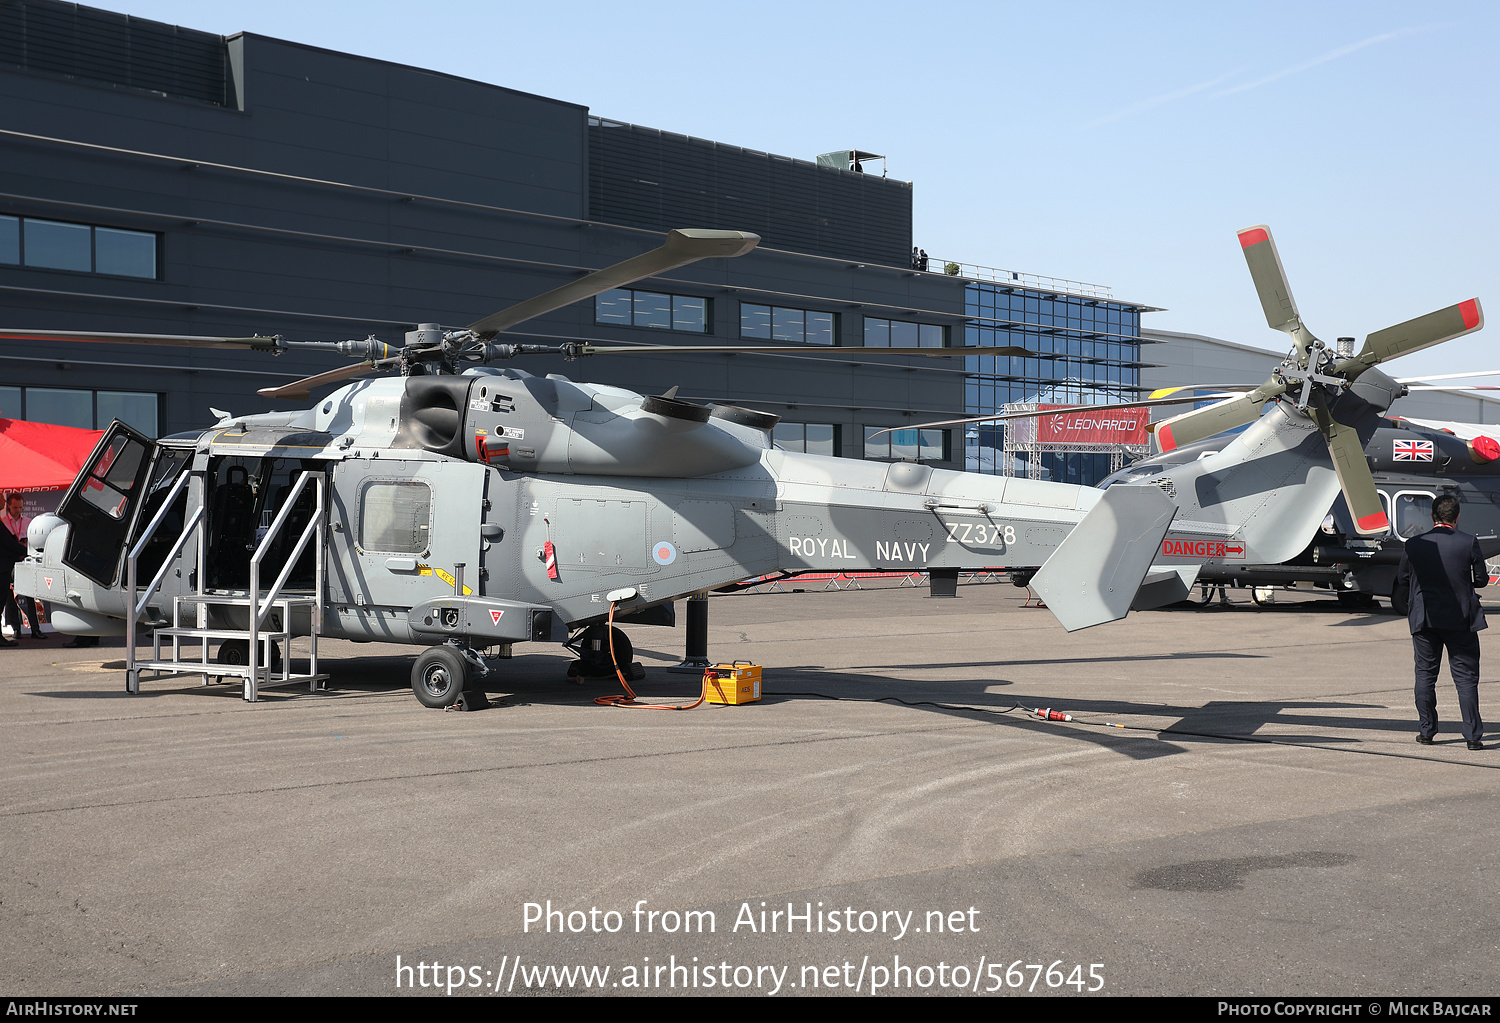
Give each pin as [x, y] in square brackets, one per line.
[266, 674]
[260, 611]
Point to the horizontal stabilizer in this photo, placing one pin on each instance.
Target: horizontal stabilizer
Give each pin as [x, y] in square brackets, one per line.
[1094, 574]
[1165, 584]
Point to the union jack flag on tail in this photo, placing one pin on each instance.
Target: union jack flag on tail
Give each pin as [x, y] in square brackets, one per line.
[1411, 451]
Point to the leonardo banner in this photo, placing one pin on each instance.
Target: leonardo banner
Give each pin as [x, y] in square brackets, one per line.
[1080, 426]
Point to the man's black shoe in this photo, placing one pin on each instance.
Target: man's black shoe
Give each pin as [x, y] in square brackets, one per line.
[1473, 744]
[1425, 740]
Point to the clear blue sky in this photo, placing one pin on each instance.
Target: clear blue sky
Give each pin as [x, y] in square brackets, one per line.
[1121, 144]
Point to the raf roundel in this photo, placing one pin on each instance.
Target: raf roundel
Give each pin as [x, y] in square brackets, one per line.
[663, 553]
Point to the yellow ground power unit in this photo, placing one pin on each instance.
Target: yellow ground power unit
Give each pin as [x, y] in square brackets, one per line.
[732, 683]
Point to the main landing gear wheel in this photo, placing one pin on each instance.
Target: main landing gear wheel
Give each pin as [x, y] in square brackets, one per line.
[593, 656]
[439, 676]
[237, 652]
[1399, 603]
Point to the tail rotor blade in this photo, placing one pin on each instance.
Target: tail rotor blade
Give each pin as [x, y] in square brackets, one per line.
[1348, 453]
[1415, 335]
[1270, 278]
[1200, 424]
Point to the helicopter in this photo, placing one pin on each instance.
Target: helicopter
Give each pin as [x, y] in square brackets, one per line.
[465, 510]
[1412, 461]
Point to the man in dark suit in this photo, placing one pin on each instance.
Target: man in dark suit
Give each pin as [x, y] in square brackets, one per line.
[11, 551]
[1440, 570]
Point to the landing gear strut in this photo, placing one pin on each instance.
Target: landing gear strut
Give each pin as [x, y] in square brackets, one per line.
[594, 660]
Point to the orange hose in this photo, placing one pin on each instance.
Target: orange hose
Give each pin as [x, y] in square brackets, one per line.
[628, 700]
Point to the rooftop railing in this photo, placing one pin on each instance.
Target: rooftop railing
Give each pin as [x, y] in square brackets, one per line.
[1013, 278]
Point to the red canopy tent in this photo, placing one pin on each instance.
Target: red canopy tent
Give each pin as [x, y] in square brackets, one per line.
[36, 458]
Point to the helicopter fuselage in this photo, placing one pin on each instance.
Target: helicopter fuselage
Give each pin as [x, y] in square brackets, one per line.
[497, 507]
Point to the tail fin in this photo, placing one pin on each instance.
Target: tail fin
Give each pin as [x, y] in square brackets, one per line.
[1095, 572]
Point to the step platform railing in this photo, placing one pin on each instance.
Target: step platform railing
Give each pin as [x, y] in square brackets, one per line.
[255, 670]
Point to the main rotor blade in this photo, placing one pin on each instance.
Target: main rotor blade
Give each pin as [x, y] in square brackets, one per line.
[1348, 453]
[1058, 410]
[301, 388]
[1414, 335]
[1200, 424]
[1448, 376]
[1163, 392]
[257, 343]
[680, 248]
[590, 349]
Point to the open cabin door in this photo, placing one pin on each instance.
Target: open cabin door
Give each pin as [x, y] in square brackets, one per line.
[104, 502]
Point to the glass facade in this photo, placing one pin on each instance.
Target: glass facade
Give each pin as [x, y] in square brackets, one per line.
[1088, 353]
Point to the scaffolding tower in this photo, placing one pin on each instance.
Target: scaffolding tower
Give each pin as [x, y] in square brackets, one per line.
[1020, 439]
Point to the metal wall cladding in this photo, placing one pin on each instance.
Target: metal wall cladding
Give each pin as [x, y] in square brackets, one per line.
[646, 178]
[67, 39]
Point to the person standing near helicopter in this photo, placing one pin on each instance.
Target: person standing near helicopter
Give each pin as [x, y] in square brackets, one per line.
[12, 550]
[1440, 571]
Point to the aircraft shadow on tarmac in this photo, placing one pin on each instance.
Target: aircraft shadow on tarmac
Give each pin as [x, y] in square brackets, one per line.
[540, 679]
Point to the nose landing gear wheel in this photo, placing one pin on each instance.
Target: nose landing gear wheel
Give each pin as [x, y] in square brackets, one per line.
[439, 676]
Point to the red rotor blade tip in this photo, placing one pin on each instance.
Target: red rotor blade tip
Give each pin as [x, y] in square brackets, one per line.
[1470, 312]
[1374, 523]
[1164, 438]
[1252, 236]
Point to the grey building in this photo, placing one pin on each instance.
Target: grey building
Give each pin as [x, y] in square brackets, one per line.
[1179, 359]
[157, 179]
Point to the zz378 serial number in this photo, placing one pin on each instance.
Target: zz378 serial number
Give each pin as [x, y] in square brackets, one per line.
[981, 534]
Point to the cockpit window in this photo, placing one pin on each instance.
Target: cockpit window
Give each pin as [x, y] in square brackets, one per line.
[1413, 514]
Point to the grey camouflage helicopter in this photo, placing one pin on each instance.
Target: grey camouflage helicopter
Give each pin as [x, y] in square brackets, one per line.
[465, 512]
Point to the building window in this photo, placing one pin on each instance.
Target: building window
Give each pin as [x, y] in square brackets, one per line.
[82, 248]
[903, 334]
[626, 307]
[910, 445]
[773, 323]
[88, 410]
[812, 438]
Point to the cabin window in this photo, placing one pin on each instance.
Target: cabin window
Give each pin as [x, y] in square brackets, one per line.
[395, 517]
